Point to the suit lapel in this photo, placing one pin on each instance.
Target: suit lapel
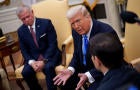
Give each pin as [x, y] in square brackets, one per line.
[80, 47]
[93, 30]
[38, 27]
[28, 34]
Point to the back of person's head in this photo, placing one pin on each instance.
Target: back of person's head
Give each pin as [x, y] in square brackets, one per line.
[77, 9]
[1, 33]
[108, 48]
[22, 8]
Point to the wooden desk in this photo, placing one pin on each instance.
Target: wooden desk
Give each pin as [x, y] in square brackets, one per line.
[7, 50]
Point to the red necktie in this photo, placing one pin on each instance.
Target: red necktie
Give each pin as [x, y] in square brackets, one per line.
[34, 37]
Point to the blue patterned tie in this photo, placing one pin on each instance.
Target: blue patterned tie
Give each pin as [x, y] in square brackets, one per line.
[84, 48]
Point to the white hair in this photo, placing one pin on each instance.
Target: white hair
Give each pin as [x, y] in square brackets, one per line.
[76, 9]
[22, 8]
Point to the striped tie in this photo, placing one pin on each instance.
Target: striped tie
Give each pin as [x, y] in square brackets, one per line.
[34, 38]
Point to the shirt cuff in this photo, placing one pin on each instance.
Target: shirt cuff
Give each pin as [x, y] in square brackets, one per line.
[30, 62]
[71, 69]
[90, 78]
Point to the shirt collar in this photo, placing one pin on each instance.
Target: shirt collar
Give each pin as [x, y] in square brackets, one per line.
[105, 72]
[33, 26]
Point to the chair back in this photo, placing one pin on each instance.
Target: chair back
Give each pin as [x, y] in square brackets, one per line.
[132, 34]
[56, 11]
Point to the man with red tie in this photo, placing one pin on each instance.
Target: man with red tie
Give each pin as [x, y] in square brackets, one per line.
[38, 43]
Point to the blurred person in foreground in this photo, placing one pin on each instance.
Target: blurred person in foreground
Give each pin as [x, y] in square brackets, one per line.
[107, 55]
[38, 43]
[81, 68]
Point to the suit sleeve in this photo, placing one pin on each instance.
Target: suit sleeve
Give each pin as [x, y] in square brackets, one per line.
[74, 62]
[24, 47]
[96, 74]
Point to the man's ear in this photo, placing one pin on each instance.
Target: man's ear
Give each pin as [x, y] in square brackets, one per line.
[97, 61]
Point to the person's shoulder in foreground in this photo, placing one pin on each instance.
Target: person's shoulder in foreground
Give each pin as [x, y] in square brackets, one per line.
[107, 56]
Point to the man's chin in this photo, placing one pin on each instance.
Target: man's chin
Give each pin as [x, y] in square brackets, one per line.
[81, 33]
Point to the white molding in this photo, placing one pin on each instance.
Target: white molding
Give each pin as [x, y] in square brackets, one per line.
[8, 20]
[112, 14]
[7, 14]
[75, 2]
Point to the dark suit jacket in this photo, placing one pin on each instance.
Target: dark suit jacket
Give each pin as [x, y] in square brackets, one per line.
[117, 79]
[98, 27]
[46, 38]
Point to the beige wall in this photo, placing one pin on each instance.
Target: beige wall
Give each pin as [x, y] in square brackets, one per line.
[132, 34]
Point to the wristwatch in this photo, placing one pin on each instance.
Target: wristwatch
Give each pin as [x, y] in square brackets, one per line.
[45, 61]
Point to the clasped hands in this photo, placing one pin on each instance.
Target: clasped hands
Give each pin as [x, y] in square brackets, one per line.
[37, 66]
[64, 75]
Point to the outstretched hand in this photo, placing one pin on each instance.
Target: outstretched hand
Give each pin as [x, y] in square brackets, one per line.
[62, 77]
[83, 79]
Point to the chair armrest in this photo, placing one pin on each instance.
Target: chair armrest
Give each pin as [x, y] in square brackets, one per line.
[135, 61]
[18, 72]
[136, 64]
[65, 46]
[65, 56]
[122, 41]
[68, 40]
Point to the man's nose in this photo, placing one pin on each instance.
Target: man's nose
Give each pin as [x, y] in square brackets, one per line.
[26, 19]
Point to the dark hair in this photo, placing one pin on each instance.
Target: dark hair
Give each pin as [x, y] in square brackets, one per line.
[1, 33]
[108, 48]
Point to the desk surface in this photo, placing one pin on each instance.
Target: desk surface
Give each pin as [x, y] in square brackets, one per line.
[12, 37]
[2, 46]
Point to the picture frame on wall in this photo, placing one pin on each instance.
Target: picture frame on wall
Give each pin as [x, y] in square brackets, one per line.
[4, 2]
[91, 3]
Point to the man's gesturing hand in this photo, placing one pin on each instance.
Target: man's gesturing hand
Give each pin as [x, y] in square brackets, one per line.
[83, 79]
[62, 77]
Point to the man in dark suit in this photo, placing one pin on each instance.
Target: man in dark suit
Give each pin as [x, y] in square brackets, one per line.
[107, 56]
[81, 64]
[38, 43]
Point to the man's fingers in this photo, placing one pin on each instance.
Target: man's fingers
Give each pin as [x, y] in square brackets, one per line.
[60, 79]
[57, 77]
[79, 75]
[64, 82]
[79, 84]
[77, 88]
[60, 82]
[57, 81]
